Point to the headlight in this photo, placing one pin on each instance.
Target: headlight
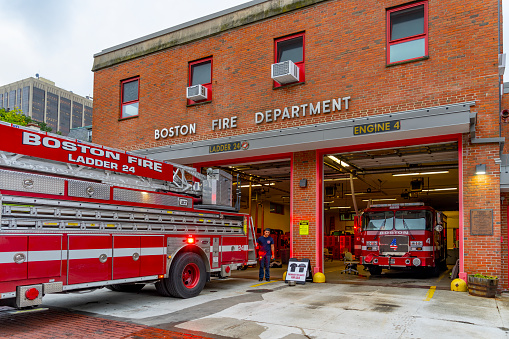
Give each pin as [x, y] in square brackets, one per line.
[416, 261]
[371, 243]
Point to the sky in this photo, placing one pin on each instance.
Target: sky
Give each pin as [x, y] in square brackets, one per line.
[58, 38]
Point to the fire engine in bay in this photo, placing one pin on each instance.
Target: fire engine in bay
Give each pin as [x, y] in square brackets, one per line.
[402, 236]
[78, 216]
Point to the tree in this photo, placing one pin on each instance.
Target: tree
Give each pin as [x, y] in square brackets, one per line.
[17, 117]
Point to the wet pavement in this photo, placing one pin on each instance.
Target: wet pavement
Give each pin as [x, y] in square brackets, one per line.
[396, 304]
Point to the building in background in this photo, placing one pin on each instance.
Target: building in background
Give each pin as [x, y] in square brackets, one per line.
[40, 99]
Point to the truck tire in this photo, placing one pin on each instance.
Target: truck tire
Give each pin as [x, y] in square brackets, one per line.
[375, 270]
[161, 288]
[131, 288]
[187, 276]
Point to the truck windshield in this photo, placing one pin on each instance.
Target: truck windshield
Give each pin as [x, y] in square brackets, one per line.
[413, 220]
[374, 221]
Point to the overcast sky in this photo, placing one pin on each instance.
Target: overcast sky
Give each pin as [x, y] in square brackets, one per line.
[58, 38]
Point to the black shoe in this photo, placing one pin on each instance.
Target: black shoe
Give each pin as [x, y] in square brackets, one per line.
[260, 279]
[267, 279]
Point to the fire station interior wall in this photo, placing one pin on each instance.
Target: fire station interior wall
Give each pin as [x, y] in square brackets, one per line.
[334, 222]
[453, 221]
[267, 219]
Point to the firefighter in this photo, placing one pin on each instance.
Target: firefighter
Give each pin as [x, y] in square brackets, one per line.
[265, 253]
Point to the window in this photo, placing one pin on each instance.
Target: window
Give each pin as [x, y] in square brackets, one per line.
[200, 73]
[407, 32]
[291, 48]
[130, 98]
[276, 208]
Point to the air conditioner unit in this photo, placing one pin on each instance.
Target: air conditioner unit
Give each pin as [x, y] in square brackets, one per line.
[196, 92]
[285, 72]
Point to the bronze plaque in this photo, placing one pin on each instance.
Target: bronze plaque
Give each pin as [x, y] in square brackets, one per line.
[481, 222]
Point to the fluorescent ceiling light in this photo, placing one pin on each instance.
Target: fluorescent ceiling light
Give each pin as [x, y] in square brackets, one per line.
[419, 173]
[382, 199]
[259, 185]
[338, 207]
[336, 160]
[328, 202]
[338, 179]
[441, 189]
[360, 193]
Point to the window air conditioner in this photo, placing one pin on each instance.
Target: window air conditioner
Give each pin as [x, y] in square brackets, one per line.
[285, 72]
[196, 92]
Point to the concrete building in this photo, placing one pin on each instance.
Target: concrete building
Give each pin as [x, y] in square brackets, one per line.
[392, 101]
[40, 99]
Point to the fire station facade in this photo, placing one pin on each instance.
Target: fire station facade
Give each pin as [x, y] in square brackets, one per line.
[352, 76]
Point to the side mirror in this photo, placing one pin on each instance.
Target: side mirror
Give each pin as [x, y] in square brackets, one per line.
[439, 228]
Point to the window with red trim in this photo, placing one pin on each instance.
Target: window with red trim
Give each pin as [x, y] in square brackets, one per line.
[130, 95]
[291, 48]
[407, 32]
[200, 73]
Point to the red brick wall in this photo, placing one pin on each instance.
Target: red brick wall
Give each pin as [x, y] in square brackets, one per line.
[304, 205]
[504, 276]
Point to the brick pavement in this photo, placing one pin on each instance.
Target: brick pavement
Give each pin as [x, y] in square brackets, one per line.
[57, 324]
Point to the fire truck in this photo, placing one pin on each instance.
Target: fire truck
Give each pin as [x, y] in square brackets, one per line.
[78, 216]
[402, 236]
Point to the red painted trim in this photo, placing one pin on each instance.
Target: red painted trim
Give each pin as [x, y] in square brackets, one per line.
[208, 85]
[410, 38]
[319, 214]
[462, 274]
[301, 64]
[259, 158]
[124, 103]
[292, 219]
[391, 144]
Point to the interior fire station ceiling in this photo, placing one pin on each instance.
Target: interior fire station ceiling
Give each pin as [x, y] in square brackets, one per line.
[427, 173]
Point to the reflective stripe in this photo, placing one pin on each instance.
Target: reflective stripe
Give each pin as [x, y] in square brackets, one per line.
[125, 252]
[89, 254]
[8, 257]
[154, 251]
[34, 256]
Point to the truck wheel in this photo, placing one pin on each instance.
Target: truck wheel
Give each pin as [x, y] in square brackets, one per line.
[375, 270]
[132, 288]
[161, 288]
[187, 276]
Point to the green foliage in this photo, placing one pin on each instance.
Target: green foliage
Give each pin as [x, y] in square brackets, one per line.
[14, 116]
[484, 276]
[17, 117]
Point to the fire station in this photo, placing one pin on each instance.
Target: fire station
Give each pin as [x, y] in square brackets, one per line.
[324, 108]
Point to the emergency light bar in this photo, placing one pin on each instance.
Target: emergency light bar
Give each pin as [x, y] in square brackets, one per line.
[399, 205]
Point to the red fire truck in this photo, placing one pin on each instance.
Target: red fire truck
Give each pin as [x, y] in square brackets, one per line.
[77, 216]
[402, 236]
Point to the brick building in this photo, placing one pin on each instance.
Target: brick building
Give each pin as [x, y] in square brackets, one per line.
[374, 91]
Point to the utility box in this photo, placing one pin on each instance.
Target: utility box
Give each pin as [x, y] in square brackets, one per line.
[217, 189]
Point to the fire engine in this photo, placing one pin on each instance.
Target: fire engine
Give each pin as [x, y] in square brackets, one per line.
[402, 236]
[78, 216]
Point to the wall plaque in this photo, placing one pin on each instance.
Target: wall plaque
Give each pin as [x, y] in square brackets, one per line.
[481, 222]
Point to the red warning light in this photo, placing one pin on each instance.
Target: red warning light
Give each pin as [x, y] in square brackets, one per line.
[190, 240]
[32, 293]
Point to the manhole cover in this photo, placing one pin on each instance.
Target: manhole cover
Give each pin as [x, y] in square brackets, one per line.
[259, 291]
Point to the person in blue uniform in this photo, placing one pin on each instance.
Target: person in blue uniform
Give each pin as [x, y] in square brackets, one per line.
[265, 253]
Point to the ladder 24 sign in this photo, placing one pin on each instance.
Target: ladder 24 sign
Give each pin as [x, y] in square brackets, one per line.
[28, 142]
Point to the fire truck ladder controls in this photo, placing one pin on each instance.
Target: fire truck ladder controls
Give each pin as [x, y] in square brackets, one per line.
[76, 216]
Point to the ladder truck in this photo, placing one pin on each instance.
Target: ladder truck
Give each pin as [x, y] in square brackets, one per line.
[79, 216]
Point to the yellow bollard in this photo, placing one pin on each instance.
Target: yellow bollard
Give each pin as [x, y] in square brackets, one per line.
[459, 285]
[284, 276]
[319, 277]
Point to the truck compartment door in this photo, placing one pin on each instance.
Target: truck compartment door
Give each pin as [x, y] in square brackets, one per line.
[126, 256]
[44, 256]
[89, 258]
[153, 255]
[13, 257]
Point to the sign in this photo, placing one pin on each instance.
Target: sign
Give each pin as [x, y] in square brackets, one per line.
[377, 127]
[298, 271]
[226, 147]
[304, 227]
[21, 140]
[481, 222]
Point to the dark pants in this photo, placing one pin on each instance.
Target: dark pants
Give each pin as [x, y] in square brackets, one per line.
[264, 263]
